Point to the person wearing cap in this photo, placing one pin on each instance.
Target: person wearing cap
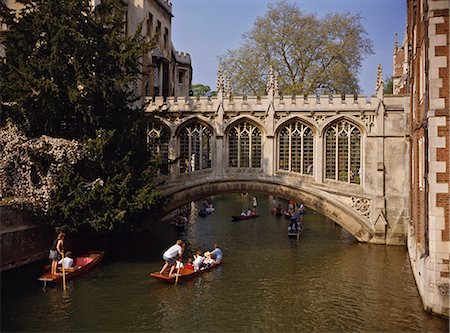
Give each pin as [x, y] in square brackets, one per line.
[208, 261]
[171, 255]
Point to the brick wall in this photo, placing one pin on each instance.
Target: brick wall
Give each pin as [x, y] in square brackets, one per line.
[21, 241]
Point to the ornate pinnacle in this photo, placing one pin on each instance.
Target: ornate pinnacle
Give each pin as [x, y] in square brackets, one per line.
[220, 81]
[227, 86]
[396, 43]
[272, 83]
[379, 78]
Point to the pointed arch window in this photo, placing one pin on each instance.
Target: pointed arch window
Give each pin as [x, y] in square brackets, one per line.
[244, 146]
[343, 153]
[195, 148]
[296, 148]
[158, 137]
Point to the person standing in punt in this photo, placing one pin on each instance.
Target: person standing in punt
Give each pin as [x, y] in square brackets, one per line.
[56, 251]
[254, 203]
[170, 256]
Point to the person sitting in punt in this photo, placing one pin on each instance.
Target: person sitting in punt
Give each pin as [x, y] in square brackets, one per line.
[208, 261]
[249, 212]
[198, 260]
[217, 254]
[189, 264]
[243, 213]
[67, 262]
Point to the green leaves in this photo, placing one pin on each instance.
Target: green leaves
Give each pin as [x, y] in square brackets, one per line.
[310, 54]
[69, 72]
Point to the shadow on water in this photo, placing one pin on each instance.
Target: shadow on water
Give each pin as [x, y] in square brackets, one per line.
[325, 282]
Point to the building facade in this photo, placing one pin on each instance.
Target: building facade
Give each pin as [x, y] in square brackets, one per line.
[421, 70]
[166, 72]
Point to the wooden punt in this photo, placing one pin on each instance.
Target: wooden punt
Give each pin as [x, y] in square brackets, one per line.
[185, 274]
[241, 217]
[82, 265]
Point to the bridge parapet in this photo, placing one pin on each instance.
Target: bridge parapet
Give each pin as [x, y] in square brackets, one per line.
[252, 104]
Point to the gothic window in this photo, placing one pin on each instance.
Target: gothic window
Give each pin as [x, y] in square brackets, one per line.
[158, 137]
[295, 147]
[244, 146]
[343, 153]
[195, 148]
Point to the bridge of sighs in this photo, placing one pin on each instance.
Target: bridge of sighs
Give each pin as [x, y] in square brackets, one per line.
[343, 156]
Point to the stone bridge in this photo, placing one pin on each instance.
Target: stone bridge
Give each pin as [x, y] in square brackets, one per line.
[343, 156]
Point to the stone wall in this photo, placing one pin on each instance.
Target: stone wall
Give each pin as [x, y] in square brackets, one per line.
[21, 241]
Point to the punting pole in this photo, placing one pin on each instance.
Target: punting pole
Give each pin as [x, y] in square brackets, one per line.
[64, 273]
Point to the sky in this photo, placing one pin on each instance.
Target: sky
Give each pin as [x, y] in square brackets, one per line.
[208, 28]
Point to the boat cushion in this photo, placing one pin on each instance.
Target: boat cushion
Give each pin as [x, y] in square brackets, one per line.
[83, 261]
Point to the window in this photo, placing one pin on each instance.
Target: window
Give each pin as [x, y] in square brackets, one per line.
[181, 74]
[244, 146]
[158, 137]
[343, 153]
[158, 31]
[166, 37]
[295, 147]
[195, 148]
[150, 24]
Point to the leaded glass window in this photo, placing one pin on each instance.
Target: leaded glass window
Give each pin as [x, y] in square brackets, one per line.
[158, 137]
[295, 147]
[195, 148]
[343, 153]
[244, 146]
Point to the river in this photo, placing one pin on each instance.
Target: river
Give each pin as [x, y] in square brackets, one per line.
[325, 282]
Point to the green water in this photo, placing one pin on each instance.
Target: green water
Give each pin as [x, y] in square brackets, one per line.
[326, 282]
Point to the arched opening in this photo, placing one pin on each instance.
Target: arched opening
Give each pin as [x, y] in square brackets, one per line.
[158, 137]
[343, 152]
[195, 141]
[296, 148]
[244, 145]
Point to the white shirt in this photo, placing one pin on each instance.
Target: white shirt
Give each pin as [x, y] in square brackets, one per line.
[68, 262]
[173, 251]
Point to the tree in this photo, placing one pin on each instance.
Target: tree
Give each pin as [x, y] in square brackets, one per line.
[200, 90]
[388, 86]
[69, 72]
[309, 54]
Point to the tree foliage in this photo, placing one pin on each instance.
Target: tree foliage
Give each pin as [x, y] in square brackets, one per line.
[309, 54]
[69, 72]
[202, 90]
[388, 86]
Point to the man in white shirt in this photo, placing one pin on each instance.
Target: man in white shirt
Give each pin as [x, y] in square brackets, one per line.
[67, 261]
[171, 255]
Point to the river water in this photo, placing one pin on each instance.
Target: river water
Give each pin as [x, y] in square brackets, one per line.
[325, 282]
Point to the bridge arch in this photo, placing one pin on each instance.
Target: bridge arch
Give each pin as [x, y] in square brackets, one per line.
[357, 226]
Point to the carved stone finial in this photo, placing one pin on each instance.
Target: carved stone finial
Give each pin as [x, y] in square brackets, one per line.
[228, 87]
[380, 84]
[220, 80]
[272, 83]
[396, 43]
